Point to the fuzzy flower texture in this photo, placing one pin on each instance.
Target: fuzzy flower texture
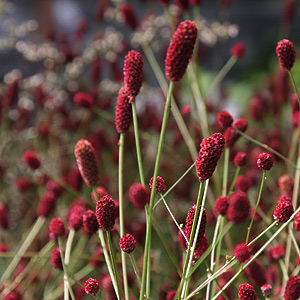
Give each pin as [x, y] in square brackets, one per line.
[286, 54]
[106, 213]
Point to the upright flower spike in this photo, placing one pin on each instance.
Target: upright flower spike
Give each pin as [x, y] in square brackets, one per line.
[106, 213]
[133, 73]
[292, 290]
[56, 228]
[180, 50]
[256, 272]
[91, 286]
[123, 113]
[242, 252]
[265, 161]
[238, 208]
[129, 15]
[127, 243]
[86, 161]
[160, 184]
[210, 152]
[283, 211]
[31, 159]
[247, 292]
[286, 54]
[224, 119]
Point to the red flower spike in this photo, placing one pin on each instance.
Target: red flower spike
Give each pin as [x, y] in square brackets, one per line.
[55, 259]
[75, 218]
[265, 161]
[238, 207]
[127, 243]
[106, 212]
[133, 73]
[139, 195]
[160, 184]
[180, 50]
[238, 50]
[278, 252]
[247, 292]
[297, 222]
[84, 100]
[56, 228]
[292, 290]
[123, 113]
[231, 136]
[86, 161]
[266, 290]
[283, 211]
[46, 205]
[31, 159]
[242, 252]
[221, 205]
[286, 54]
[210, 152]
[201, 247]
[240, 159]
[89, 222]
[91, 286]
[129, 15]
[224, 119]
[256, 272]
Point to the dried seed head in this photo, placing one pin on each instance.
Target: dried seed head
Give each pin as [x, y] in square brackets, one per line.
[129, 15]
[89, 222]
[55, 259]
[91, 286]
[238, 207]
[221, 205]
[106, 212]
[286, 54]
[56, 228]
[224, 119]
[180, 50]
[265, 161]
[123, 113]
[256, 272]
[238, 50]
[292, 290]
[127, 243]
[86, 161]
[240, 159]
[31, 159]
[139, 195]
[242, 252]
[283, 211]
[231, 136]
[210, 152]
[133, 73]
[247, 292]
[83, 100]
[160, 184]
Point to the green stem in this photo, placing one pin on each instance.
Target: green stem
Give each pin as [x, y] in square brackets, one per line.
[236, 174]
[137, 142]
[113, 261]
[294, 241]
[283, 269]
[257, 204]
[121, 208]
[225, 174]
[262, 233]
[295, 86]
[134, 266]
[293, 146]
[152, 196]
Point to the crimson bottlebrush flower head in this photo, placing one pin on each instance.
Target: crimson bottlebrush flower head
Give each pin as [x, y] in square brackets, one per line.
[210, 152]
[243, 183]
[139, 195]
[238, 50]
[240, 159]
[292, 290]
[285, 198]
[89, 222]
[91, 286]
[160, 184]
[278, 252]
[238, 207]
[4, 221]
[231, 136]
[286, 54]
[264, 161]
[180, 50]
[221, 205]
[55, 259]
[128, 15]
[286, 184]
[83, 100]
[31, 159]
[256, 272]
[46, 205]
[297, 222]
[133, 73]
[247, 292]
[86, 161]
[75, 218]
[127, 243]
[266, 290]
[106, 212]
[283, 211]
[224, 119]
[123, 113]
[242, 252]
[56, 228]
[101, 191]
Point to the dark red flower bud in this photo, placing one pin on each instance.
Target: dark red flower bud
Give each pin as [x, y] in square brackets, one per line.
[265, 161]
[242, 252]
[101, 191]
[283, 211]
[171, 295]
[74, 178]
[224, 119]
[238, 50]
[46, 205]
[23, 184]
[266, 290]
[160, 184]
[123, 113]
[286, 184]
[231, 136]
[86, 161]
[56, 228]
[106, 212]
[247, 292]
[91, 286]
[183, 4]
[31, 160]
[89, 222]
[75, 218]
[286, 54]
[221, 205]
[133, 73]
[240, 159]
[292, 290]
[54, 187]
[297, 222]
[139, 195]
[83, 100]
[55, 259]
[127, 243]
[278, 252]
[4, 221]
[180, 50]
[210, 152]
[238, 207]
[243, 183]
[129, 15]
[256, 272]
